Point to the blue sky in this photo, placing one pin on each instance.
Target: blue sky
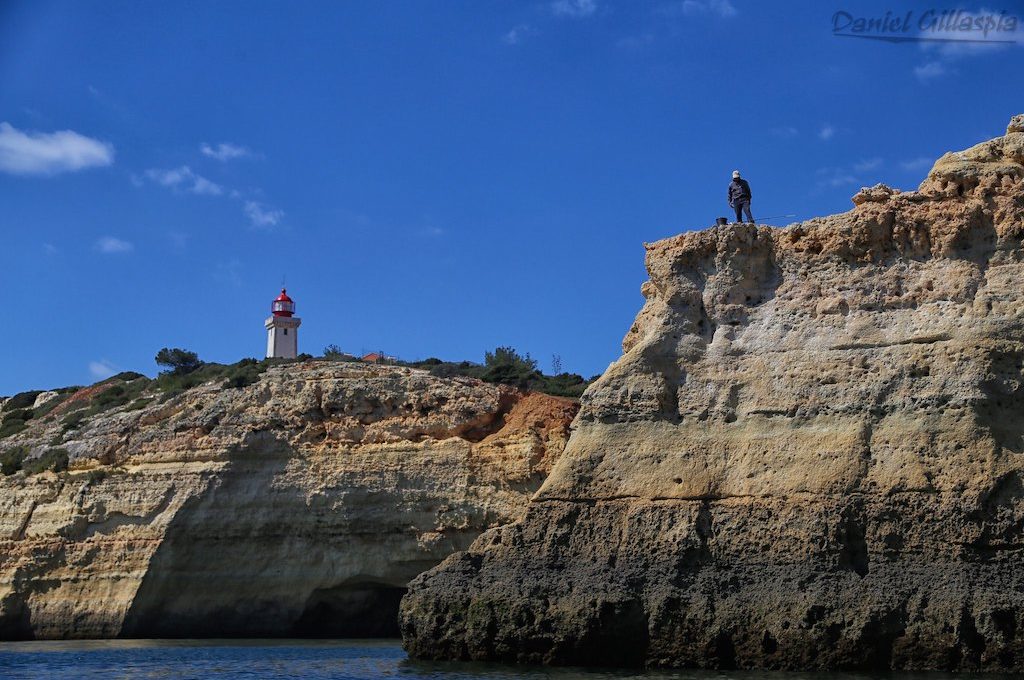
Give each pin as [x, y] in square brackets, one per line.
[433, 178]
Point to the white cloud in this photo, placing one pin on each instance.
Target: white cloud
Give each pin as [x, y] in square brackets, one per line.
[184, 178]
[966, 43]
[111, 245]
[827, 132]
[867, 164]
[919, 163]
[103, 369]
[169, 178]
[262, 217]
[50, 153]
[723, 8]
[929, 71]
[225, 151]
[787, 132]
[205, 187]
[574, 8]
[835, 177]
[518, 33]
[962, 43]
[49, 249]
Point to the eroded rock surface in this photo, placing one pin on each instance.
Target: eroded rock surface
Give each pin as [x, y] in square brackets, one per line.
[299, 505]
[810, 455]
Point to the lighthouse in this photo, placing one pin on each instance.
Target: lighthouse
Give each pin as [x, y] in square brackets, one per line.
[282, 328]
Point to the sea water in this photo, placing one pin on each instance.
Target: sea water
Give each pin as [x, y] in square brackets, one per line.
[312, 660]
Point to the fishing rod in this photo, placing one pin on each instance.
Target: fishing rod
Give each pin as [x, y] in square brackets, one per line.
[774, 217]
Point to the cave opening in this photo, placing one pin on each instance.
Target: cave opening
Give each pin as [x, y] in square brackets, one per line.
[352, 610]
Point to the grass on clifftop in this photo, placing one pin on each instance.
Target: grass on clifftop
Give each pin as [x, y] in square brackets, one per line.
[504, 365]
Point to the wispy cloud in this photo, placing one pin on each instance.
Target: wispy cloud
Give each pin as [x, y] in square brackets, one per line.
[185, 179]
[867, 164]
[518, 33]
[786, 132]
[930, 71]
[574, 8]
[111, 245]
[225, 151]
[50, 249]
[262, 217]
[205, 187]
[722, 8]
[826, 132]
[835, 177]
[919, 163]
[103, 368]
[50, 153]
[959, 44]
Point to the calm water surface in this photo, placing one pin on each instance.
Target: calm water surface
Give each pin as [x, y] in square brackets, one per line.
[259, 659]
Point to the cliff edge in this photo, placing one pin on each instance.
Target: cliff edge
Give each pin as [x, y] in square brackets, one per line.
[299, 505]
[809, 456]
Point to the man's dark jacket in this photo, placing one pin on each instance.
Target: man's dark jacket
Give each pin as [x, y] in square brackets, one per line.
[739, 192]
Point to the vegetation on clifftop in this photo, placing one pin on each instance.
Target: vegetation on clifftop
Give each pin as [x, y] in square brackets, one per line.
[504, 365]
[73, 407]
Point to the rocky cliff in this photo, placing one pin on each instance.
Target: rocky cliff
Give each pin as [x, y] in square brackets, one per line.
[810, 455]
[299, 505]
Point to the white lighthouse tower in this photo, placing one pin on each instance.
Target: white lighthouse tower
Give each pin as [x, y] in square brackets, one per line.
[282, 328]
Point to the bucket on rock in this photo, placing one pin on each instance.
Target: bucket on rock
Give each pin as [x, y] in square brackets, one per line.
[721, 221]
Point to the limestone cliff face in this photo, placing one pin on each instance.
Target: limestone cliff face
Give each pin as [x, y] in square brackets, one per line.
[810, 455]
[300, 505]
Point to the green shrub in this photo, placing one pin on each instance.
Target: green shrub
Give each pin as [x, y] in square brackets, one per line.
[170, 394]
[10, 427]
[23, 400]
[11, 460]
[245, 372]
[18, 414]
[111, 395]
[180, 381]
[561, 385]
[73, 420]
[505, 365]
[126, 376]
[52, 459]
[140, 403]
[178, 360]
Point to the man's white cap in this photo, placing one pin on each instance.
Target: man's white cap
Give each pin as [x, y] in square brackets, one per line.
[735, 173]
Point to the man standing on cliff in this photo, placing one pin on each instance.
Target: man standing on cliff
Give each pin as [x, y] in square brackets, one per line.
[739, 197]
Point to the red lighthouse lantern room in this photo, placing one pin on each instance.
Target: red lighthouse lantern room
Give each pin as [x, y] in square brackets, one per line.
[283, 305]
